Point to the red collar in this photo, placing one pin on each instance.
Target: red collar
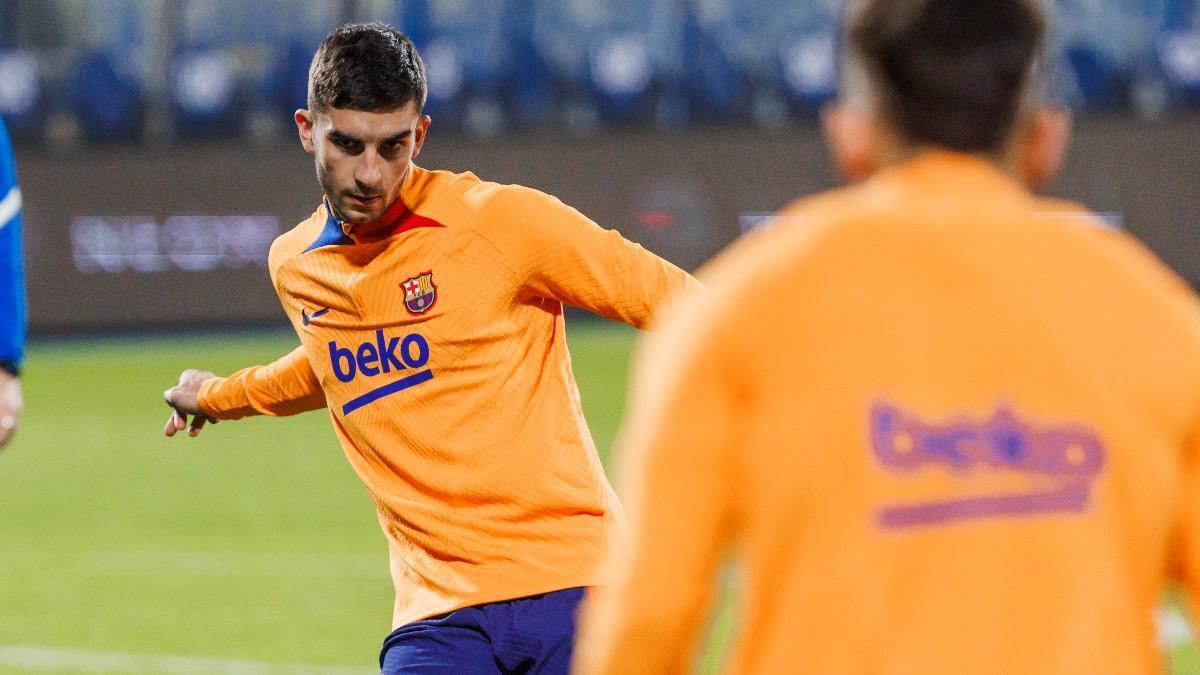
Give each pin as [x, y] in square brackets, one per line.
[396, 219]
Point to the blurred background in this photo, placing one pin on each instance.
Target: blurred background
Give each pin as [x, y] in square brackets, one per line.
[158, 160]
[156, 142]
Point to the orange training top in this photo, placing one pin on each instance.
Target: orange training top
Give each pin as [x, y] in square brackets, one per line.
[440, 352]
[945, 426]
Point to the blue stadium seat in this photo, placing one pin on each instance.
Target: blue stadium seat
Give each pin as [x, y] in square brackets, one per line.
[107, 104]
[717, 88]
[1176, 51]
[22, 98]
[210, 24]
[809, 65]
[468, 51]
[1094, 82]
[289, 90]
[206, 95]
[1179, 55]
[1097, 46]
[256, 52]
[468, 61]
[531, 95]
[501, 63]
[621, 60]
[101, 84]
[764, 57]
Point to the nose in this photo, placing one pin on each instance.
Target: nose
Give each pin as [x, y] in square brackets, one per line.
[369, 172]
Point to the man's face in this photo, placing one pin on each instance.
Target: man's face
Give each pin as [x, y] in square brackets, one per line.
[362, 157]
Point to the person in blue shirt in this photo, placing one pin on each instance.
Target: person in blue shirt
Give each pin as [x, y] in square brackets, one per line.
[12, 292]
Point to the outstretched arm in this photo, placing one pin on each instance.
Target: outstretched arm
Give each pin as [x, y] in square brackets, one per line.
[561, 254]
[286, 386]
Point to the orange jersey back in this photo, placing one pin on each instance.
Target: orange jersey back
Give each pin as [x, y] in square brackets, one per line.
[440, 352]
[949, 427]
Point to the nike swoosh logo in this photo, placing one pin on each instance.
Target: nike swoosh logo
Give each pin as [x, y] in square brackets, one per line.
[307, 318]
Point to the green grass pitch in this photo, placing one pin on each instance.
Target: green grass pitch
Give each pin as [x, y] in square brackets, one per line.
[250, 549]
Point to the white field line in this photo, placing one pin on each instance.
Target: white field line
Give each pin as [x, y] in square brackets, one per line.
[217, 563]
[1173, 628]
[58, 659]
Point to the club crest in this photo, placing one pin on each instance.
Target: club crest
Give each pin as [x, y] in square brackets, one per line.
[419, 293]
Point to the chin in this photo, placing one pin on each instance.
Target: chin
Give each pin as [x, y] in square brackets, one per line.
[355, 217]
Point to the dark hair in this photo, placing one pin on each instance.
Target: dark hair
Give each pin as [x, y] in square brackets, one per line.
[949, 73]
[366, 66]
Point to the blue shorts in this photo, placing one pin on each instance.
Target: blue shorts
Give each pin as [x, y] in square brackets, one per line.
[527, 635]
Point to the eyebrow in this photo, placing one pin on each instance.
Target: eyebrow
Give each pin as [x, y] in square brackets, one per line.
[347, 138]
[398, 137]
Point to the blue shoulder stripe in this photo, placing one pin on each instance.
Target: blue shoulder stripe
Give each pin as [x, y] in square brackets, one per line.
[331, 234]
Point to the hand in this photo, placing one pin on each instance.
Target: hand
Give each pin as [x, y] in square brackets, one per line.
[10, 405]
[184, 401]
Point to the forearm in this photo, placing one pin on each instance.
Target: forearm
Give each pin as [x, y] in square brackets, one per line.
[620, 280]
[560, 254]
[287, 386]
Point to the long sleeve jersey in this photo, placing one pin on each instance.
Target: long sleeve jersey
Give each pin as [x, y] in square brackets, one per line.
[12, 275]
[943, 425]
[440, 352]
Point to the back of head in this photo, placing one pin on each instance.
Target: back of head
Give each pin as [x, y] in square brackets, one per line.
[953, 74]
[370, 67]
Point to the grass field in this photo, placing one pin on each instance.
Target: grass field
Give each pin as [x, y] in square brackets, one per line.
[252, 549]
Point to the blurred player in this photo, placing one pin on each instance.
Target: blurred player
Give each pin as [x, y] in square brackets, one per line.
[944, 426]
[429, 306]
[12, 292]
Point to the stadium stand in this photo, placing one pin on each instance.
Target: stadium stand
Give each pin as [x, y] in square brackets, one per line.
[236, 67]
[789, 65]
[615, 62]
[468, 57]
[1177, 50]
[22, 101]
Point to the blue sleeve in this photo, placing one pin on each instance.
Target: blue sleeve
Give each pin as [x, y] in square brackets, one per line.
[13, 315]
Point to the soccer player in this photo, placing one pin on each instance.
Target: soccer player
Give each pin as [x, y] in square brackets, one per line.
[943, 425]
[429, 307]
[12, 292]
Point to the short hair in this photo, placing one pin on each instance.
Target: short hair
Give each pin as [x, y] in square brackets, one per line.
[371, 67]
[949, 73]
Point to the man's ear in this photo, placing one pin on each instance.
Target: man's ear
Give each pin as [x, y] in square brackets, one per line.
[419, 135]
[1047, 134]
[850, 134]
[304, 126]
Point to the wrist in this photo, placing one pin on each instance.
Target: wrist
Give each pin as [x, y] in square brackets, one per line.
[202, 395]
